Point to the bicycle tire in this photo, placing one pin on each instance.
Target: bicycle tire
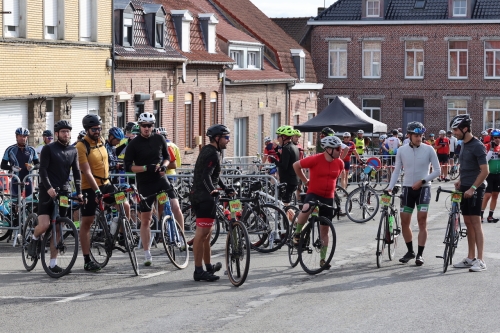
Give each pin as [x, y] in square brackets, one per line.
[455, 239]
[5, 233]
[447, 244]
[365, 203]
[310, 245]
[26, 238]
[130, 244]
[391, 249]
[456, 173]
[69, 246]
[176, 249]
[100, 242]
[260, 225]
[237, 252]
[190, 224]
[293, 254]
[381, 235]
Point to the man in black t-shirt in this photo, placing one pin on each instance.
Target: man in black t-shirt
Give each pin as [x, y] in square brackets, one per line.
[147, 156]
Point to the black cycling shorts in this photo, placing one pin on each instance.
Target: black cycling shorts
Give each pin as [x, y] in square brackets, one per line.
[89, 208]
[443, 158]
[289, 191]
[147, 189]
[470, 206]
[411, 198]
[46, 206]
[493, 183]
[205, 212]
[323, 211]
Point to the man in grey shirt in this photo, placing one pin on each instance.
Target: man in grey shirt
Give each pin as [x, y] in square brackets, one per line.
[473, 172]
[415, 158]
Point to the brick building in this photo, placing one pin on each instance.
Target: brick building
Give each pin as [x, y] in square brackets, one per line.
[55, 64]
[410, 60]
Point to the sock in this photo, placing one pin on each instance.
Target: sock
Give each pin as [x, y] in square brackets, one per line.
[198, 269]
[490, 214]
[420, 250]
[86, 258]
[322, 253]
[299, 228]
[35, 238]
[209, 267]
[409, 245]
[147, 254]
[53, 263]
[482, 213]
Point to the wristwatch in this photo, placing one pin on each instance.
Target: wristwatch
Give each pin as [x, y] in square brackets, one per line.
[424, 181]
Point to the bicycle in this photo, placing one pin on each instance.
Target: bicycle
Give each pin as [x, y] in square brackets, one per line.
[173, 237]
[389, 229]
[65, 242]
[454, 171]
[454, 230]
[362, 200]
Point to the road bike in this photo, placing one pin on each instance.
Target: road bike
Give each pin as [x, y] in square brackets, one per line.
[388, 229]
[363, 202]
[172, 235]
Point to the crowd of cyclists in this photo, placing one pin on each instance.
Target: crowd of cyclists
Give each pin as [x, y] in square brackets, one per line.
[146, 152]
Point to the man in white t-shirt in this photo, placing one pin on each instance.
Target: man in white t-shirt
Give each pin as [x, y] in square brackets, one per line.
[453, 146]
[392, 145]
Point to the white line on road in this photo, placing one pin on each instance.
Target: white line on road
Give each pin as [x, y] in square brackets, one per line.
[216, 255]
[59, 298]
[69, 299]
[147, 276]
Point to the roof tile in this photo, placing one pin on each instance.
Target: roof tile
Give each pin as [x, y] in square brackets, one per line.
[296, 27]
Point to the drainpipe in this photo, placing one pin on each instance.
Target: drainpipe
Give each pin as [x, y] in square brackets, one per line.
[176, 79]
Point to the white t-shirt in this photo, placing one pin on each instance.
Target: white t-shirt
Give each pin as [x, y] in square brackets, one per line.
[453, 143]
[407, 141]
[392, 142]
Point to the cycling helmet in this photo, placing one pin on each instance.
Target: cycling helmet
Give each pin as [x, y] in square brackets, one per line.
[400, 135]
[484, 132]
[217, 129]
[267, 139]
[415, 127]
[62, 124]
[116, 132]
[361, 132]
[442, 132]
[128, 127]
[347, 134]
[327, 131]
[395, 132]
[47, 133]
[285, 130]
[382, 137]
[136, 130]
[22, 131]
[91, 120]
[330, 142]
[162, 131]
[297, 133]
[495, 132]
[146, 117]
[432, 134]
[461, 121]
[448, 132]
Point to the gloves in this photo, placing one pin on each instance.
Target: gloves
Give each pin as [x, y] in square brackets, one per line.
[162, 169]
[16, 168]
[98, 195]
[151, 168]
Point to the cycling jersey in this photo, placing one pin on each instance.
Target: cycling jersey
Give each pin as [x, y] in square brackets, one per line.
[56, 161]
[392, 143]
[453, 143]
[443, 146]
[270, 150]
[360, 145]
[493, 158]
[206, 174]
[19, 157]
[351, 146]
[289, 155]
[112, 158]
[97, 158]
[322, 174]
[175, 155]
[301, 150]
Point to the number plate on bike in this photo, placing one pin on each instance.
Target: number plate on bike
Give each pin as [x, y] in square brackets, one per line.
[162, 198]
[385, 200]
[456, 197]
[120, 198]
[63, 201]
[315, 211]
[235, 206]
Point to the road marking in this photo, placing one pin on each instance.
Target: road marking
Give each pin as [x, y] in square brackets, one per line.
[98, 273]
[147, 276]
[59, 298]
[69, 299]
[216, 255]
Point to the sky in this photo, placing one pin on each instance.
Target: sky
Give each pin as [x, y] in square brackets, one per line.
[291, 8]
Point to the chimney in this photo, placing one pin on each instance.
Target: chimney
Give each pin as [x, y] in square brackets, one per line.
[320, 10]
[208, 22]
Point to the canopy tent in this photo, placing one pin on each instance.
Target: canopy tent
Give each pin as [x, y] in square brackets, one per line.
[342, 116]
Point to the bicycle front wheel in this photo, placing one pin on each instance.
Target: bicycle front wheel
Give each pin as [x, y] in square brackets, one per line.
[394, 236]
[65, 248]
[362, 204]
[26, 238]
[174, 242]
[100, 242]
[381, 238]
[317, 245]
[448, 244]
[237, 254]
[293, 250]
[130, 244]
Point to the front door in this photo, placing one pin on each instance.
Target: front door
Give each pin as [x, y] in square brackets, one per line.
[413, 110]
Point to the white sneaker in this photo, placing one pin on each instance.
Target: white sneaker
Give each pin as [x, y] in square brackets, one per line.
[465, 263]
[148, 261]
[478, 266]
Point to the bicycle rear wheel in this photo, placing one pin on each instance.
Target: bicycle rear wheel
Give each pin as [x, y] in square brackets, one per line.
[26, 238]
[448, 244]
[130, 244]
[5, 233]
[100, 243]
[66, 248]
[293, 254]
[454, 172]
[174, 242]
[362, 204]
[311, 245]
[267, 229]
[381, 238]
[237, 254]
[391, 250]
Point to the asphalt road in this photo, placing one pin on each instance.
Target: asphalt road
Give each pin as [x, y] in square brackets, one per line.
[353, 296]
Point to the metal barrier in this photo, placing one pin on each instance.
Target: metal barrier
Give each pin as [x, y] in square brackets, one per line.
[241, 159]
[9, 216]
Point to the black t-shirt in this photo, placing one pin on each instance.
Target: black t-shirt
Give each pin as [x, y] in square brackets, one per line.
[145, 151]
[206, 173]
[56, 161]
[289, 155]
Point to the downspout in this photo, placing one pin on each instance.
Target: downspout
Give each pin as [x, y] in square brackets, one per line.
[176, 80]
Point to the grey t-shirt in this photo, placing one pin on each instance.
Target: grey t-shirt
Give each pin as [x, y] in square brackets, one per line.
[473, 155]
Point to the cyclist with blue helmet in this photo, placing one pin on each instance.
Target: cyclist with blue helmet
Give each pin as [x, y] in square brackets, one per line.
[115, 135]
[493, 179]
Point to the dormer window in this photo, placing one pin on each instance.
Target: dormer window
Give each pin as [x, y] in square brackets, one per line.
[128, 32]
[124, 24]
[236, 56]
[159, 35]
[299, 60]
[182, 22]
[252, 60]
[208, 23]
[372, 8]
[459, 8]
[154, 17]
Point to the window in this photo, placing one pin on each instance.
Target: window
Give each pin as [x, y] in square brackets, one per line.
[373, 8]
[86, 20]
[492, 59]
[49, 114]
[252, 59]
[213, 108]
[457, 60]
[11, 21]
[50, 19]
[310, 135]
[127, 32]
[201, 115]
[419, 4]
[240, 136]
[188, 120]
[414, 62]
[159, 35]
[459, 7]
[236, 56]
[492, 113]
[275, 123]
[337, 54]
[371, 59]
[456, 107]
[371, 107]
[157, 113]
[302, 70]
[121, 115]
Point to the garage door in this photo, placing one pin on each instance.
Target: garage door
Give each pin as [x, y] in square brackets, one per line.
[13, 114]
[80, 107]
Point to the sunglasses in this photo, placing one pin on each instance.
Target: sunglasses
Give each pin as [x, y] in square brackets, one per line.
[50, 138]
[419, 130]
[98, 129]
[226, 137]
[146, 125]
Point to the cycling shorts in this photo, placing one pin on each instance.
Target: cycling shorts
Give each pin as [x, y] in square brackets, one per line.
[411, 198]
[470, 206]
[323, 211]
[443, 158]
[493, 181]
[289, 191]
[46, 206]
[205, 212]
[147, 189]
[89, 194]
[347, 165]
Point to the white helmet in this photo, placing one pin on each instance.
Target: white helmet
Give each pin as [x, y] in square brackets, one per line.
[383, 137]
[146, 117]
[483, 132]
[360, 132]
[330, 142]
[347, 134]
[442, 132]
[267, 139]
[400, 135]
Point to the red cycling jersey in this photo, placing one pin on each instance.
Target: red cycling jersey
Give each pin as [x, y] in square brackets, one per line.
[270, 150]
[442, 145]
[322, 174]
[351, 146]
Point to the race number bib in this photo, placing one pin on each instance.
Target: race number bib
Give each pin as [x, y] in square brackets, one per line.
[385, 200]
[315, 211]
[162, 198]
[235, 206]
[456, 197]
[120, 198]
[63, 201]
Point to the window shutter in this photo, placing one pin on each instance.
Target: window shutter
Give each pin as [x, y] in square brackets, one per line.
[13, 7]
[50, 13]
[85, 18]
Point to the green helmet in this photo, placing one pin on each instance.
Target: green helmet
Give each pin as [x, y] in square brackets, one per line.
[297, 133]
[136, 130]
[285, 130]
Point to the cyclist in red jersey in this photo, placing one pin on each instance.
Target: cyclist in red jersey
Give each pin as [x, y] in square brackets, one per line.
[270, 150]
[324, 169]
[442, 145]
[346, 157]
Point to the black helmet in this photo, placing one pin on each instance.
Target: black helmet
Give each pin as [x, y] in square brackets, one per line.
[448, 132]
[327, 131]
[128, 127]
[461, 121]
[415, 127]
[217, 129]
[62, 124]
[91, 120]
[395, 132]
[47, 133]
